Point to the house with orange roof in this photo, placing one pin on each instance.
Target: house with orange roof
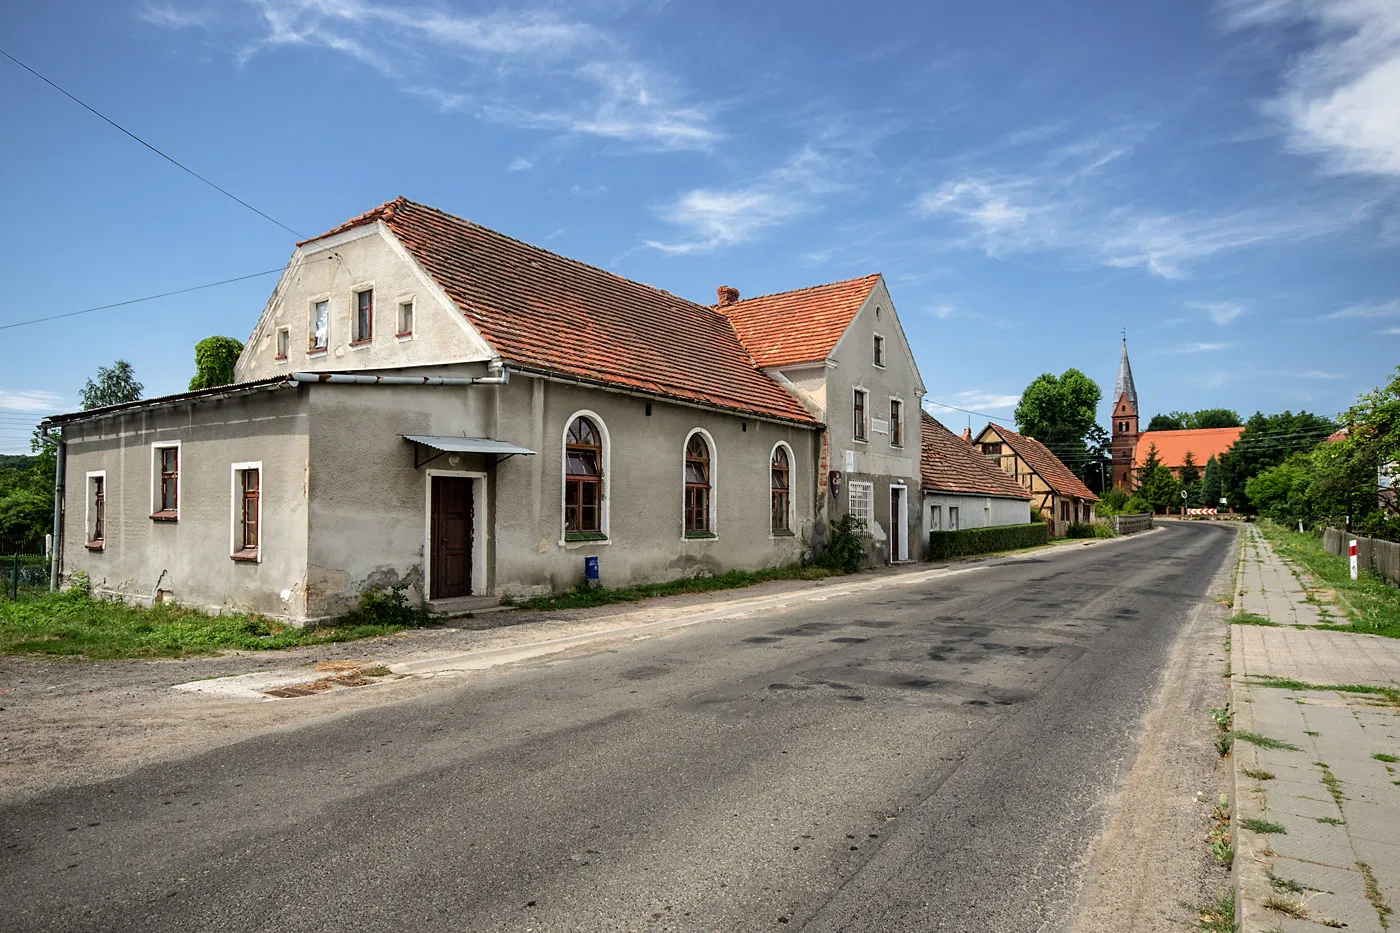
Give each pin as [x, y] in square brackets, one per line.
[1057, 494]
[964, 488]
[428, 404]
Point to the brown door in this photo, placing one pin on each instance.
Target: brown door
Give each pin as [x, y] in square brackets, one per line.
[895, 530]
[451, 537]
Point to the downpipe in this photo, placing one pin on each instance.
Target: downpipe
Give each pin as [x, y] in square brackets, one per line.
[56, 544]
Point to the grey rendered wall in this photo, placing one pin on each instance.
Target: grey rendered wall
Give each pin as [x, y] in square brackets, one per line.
[876, 460]
[188, 560]
[369, 504]
[976, 511]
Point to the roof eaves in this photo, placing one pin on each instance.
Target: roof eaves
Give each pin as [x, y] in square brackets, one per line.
[198, 395]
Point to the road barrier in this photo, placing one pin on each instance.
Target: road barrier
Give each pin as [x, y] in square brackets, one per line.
[1131, 524]
[1380, 557]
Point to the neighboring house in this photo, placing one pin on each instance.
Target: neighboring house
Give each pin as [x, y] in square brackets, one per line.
[1130, 446]
[841, 350]
[1060, 496]
[963, 488]
[428, 403]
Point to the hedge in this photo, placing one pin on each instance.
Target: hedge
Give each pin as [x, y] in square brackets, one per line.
[943, 544]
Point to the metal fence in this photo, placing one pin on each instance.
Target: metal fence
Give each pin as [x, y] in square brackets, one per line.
[23, 575]
[1380, 557]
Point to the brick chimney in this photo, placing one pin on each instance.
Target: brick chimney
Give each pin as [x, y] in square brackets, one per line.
[967, 436]
[728, 295]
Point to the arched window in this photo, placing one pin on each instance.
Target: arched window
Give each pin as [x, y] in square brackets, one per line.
[697, 485]
[782, 489]
[583, 478]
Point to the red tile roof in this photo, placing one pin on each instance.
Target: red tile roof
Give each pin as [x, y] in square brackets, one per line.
[800, 326]
[947, 464]
[542, 310]
[1050, 468]
[1172, 446]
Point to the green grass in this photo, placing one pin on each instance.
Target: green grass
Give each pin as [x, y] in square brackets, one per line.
[71, 624]
[1330, 820]
[1251, 618]
[1266, 827]
[1390, 694]
[587, 596]
[1371, 604]
[1263, 741]
[1259, 774]
[1373, 894]
[1382, 756]
[1219, 915]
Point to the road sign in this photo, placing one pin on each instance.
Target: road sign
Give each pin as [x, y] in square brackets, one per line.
[1202, 512]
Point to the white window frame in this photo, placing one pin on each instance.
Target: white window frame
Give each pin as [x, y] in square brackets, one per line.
[935, 516]
[866, 419]
[278, 353]
[357, 342]
[903, 519]
[954, 514]
[481, 528]
[311, 324]
[884, 350]
[412, 302]
[89, 501]
[792, 490]
[869, 489]
[900, 400]
[713, 534]
[604, 495]
[235, 511]
[156, 448]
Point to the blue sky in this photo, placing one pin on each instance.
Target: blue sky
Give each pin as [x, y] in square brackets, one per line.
[1220, 178]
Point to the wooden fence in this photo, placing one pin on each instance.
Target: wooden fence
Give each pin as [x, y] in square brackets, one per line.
[1380, 557]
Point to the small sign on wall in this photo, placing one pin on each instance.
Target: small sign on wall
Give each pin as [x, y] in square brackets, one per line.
[850, 461]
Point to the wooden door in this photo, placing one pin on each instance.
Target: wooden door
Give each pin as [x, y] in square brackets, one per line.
[452, 528]
[896, 531]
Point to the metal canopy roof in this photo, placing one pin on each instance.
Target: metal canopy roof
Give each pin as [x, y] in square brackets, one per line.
[464, 445]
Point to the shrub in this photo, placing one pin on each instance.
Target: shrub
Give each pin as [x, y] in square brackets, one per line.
[1112, 501]
[1137, 505]
[386, 605]
[962, 543]
[1090, 530]
[845, 549]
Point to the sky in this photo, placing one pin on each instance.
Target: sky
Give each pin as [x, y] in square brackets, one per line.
[1219, 179]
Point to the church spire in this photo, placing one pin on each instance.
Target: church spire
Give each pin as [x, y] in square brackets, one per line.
[1125, 379]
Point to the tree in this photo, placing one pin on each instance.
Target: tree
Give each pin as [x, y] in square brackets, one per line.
[115, 385]
[1164, 423]
[1210, 485]
[1156, 484]
[1267, 441]
[1191, 479]
[213, 362]
[1195, 420]
[1097, 471]
[1061, 412]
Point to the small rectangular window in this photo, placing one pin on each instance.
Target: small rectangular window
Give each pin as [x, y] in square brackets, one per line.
[97, 511]
[879, 350]
[247, 519]
[858, 411]
[284, 339]
[405, 318]
[364, 317]
[166, 491]
[319, 334]
[862, 501]
[896, 423]
[935, 519]
[992, 450]
[952, 518]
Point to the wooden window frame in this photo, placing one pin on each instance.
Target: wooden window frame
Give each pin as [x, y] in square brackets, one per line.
[878, 350]
[95, 511]
[575, 484]
[239, 503]
[312, 347]
[698, 503]
[283, 343]
[780, 517]
[163, 480]
[896, 422]
[860, 415]
[361, 337]
[412, 305]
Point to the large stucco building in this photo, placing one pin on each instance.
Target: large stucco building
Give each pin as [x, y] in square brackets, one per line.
[424, 401]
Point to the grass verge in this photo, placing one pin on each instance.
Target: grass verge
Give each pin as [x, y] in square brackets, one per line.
[73, 624]
[1372, 605]
[586, 596]
[1219, 915]
[1390, 695]
[1264, 741]
[1265, 827]
[1251, 618]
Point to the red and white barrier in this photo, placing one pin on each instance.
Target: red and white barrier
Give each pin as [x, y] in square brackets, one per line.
[1202, 512]
[1351, 551]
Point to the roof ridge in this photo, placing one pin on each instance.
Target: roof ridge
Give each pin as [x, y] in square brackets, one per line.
[806, 288]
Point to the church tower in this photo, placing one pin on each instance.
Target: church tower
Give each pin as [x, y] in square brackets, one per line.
[1125, 423]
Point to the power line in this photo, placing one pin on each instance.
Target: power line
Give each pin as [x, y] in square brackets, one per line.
[132, 301]
[968, 411]
[170, 159]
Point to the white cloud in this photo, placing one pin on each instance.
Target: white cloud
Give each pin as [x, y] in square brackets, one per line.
[975, 400]
[32, 400]
[1391, 331]
[175, 18]
[519, 164]
[1220, 312]
[1369, 310]
[942, 312]
[1341, 98]
[1319, 374]
[532, 68]
[986, 205]
[1199, 347]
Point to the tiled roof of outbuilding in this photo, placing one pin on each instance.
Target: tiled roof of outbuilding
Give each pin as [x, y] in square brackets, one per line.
[947, 464]
[1039, 458]
[800, 326]
[542, 310]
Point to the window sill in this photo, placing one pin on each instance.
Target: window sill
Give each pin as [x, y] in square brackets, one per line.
[96, 545]
[361, 344]
[861, 440]
[250, 557]
[166, 516]
[700, 535]
[585, 536]
[317, 351]
[404, 335]
[280, 359]
[782, 533]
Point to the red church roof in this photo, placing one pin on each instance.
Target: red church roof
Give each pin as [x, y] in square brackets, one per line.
[1172, 446]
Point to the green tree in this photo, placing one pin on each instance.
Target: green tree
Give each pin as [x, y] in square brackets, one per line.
[1267, 441]
[1061, 412]
[115, 385]
[213, 362]
[1194, 420]
[1155, 483]
[1282, 492]
[1191, 479]
[1165, 422]
[1210, 485]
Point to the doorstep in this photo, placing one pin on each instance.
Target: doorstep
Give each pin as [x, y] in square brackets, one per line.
[462, 605]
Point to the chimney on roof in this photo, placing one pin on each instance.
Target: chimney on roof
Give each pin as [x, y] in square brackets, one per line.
[967, 436]
[728, 295]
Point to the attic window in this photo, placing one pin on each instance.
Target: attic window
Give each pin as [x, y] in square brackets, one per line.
[992, 450]
[284, 337]
[364, 317]
[405, 319]
[320, 326]
[879, 350]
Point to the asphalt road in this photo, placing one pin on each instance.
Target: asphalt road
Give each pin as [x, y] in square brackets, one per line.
[936, 758]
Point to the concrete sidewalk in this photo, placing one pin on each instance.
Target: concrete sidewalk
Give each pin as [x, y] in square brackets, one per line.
[1331, 858]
